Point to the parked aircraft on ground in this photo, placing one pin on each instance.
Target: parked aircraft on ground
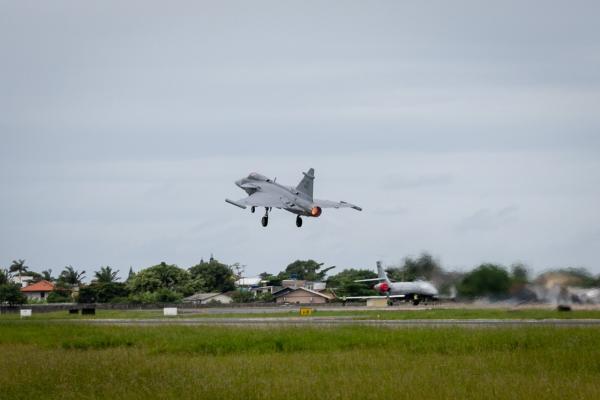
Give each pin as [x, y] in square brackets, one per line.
[416, 291]
[265, 192]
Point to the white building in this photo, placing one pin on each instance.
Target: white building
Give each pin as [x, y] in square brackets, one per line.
[38, 290]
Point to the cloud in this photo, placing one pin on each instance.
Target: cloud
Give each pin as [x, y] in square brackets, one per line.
[391, 210]
[124, 125]
[489, 220]
[404, 182]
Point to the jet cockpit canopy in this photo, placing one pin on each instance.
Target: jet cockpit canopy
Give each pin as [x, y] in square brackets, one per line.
[258, 177]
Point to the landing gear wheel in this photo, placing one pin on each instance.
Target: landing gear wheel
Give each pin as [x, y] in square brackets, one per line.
[298, 221]
[416, 300]
[265, 221]
[252, 209]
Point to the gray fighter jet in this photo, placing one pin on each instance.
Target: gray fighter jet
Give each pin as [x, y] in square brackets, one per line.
[265, 192]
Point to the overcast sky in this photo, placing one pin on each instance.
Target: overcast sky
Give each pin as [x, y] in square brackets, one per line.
[467, 129]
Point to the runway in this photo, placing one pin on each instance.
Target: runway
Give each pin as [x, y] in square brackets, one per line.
[338, 321]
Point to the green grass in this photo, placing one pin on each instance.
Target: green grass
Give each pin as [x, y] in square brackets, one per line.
[390, 314]
[72, 361]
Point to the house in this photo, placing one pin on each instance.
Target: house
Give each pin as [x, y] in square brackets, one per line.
[38, 290]
[207, 298]
[301, 295]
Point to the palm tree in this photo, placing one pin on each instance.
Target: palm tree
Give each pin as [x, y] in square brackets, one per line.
[4, 276]
[20, 267]
[47, 275]
[70, 276]
[106, 275]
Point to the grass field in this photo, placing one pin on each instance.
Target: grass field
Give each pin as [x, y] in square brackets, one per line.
[66, 361]
[390, 314]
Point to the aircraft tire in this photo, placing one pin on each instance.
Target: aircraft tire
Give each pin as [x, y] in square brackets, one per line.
[264, 221]
[298, 221]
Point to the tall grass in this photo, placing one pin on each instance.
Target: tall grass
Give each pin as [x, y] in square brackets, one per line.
[66, 361]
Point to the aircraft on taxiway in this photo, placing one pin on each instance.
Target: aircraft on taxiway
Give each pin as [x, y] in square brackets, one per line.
[416, 291]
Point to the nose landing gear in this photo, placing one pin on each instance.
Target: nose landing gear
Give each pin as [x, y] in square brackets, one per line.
[298, 221]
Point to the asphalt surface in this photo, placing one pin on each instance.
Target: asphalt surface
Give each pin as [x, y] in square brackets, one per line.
[338, 321]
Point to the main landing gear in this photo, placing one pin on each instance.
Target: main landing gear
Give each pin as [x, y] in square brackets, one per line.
[265, 219]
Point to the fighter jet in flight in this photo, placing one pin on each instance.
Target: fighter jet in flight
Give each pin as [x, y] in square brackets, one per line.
[265, 192]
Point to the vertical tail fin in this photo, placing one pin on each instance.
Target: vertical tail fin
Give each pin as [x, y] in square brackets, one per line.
[306, 184]
[381, 272]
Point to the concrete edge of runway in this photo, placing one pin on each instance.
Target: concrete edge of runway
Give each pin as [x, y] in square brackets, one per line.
[332, 321]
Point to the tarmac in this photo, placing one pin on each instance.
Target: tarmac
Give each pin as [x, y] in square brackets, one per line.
[338, 321]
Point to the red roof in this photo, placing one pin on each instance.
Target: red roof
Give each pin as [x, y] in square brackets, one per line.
[41, 286]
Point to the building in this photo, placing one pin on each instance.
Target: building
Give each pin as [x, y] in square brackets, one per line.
[298, 283]
[208, 298]
[23, 280]
[249, 283]
[38, 290]
[301, 295]
[262, 290]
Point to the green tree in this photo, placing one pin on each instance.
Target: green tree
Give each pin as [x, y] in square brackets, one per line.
[162, 276]
[271, 279]
[214, 276]
[486, 280]
[59, 295]
[265, 297]
[11, 293]
[70, 276]
[423, 267]
[130, 275]
[19, 267]
[47, 275]
[309, 270]
[102, 292]
[4, 276]
[242, 296]
[344, 283]
[519, 274]
[36, 277]
[106, 275]
[167, 296]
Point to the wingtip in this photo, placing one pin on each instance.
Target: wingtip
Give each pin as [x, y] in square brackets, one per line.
[235, 204]
[355, 207]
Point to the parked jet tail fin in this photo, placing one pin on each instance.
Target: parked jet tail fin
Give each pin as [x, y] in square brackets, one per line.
[381, 275]
[306, 184]
[381, 272]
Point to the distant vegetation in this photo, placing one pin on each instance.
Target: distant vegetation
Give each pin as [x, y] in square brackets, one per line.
[169, 283]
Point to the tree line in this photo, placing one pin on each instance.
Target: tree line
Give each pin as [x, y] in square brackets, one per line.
[169, 283]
